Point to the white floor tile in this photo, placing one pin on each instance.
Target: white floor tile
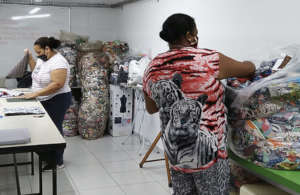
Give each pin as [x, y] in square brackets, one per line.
[157, 173]
[98, 147]
[9, 177]
[122, 166]
[103, 191]
[94, 167]
[11, 188]
[63, 183]
[113, 156]
[90, 177]
[69, 193]
[132, 177]
[165, 184]
[85, 159]
[121, 140]
[145, 189]
[139, 156]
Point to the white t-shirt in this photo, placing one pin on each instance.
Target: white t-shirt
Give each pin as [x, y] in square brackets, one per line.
[41, 75]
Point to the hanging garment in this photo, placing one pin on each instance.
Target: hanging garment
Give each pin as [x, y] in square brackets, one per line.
[20, 73]
[19, 70]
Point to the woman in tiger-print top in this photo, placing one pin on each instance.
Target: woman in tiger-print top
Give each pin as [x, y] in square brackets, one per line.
[184, 85]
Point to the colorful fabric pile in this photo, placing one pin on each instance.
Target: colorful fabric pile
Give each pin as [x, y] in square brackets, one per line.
[70, 52]
[115, 49]
[264, 117]
[93, 111]
[70, 124]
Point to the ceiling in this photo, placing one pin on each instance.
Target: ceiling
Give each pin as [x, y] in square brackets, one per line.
[70, 3]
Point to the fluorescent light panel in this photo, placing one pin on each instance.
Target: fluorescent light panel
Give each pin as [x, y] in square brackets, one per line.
[34, 10]
[30, 16]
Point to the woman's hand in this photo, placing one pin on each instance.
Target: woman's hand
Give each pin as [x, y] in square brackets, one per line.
[27, 51]
[30, 95]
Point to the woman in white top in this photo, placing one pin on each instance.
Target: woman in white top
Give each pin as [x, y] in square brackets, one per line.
[50, 85]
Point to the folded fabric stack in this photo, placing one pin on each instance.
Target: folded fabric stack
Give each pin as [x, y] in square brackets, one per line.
[32, 110]
[93, 111]
[264, 116]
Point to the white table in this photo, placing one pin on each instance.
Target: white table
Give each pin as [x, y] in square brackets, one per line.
[45, 137]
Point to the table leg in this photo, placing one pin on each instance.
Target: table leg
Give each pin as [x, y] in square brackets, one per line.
[17, 174]
[32, 164]
[54, 176]
[40, 177]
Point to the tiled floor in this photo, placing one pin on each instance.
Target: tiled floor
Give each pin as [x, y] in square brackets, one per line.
[106, 166]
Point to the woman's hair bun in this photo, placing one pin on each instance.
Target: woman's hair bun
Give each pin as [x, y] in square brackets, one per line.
[54, 43]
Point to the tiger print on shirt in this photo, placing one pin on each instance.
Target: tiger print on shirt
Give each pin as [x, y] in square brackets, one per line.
[194, 131]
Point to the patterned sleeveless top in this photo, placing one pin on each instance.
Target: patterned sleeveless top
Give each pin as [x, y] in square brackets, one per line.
[183, 84]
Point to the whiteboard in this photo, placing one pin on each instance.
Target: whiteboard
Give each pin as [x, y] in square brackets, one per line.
[16, 35]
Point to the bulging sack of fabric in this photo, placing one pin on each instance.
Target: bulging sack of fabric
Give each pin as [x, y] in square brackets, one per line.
[70, 52]
[89, 62]
[93, 116]
[93, 112]
[91, 46]
[72, 38]
[70, 123]
[264, 118]
[117, 48]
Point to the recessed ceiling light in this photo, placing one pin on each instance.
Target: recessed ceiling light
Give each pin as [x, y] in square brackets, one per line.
[30, 16]
[34, 10]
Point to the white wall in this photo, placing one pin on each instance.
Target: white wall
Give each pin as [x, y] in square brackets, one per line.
[237, 28]
[98, 23]
[241, 29]
[16, 35]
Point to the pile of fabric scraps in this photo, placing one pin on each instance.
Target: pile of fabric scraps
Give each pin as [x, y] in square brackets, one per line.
[72, 38]
[70, 52]
[70, 124]
[5, 93]
[93, 111]
[264, 117]
[115, 49]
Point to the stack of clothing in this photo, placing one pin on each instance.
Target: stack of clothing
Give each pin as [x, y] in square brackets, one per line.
[94, 108]
[264, 116]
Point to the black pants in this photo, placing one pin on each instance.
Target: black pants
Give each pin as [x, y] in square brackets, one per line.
[56, 108]
[211, 181]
